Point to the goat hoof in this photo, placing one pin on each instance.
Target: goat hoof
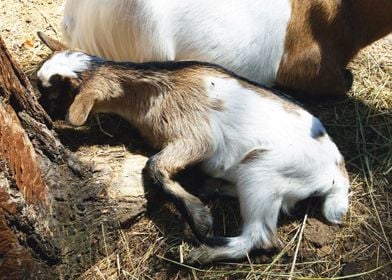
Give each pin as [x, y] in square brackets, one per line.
[200, 255]
[337, 216]
[335, 207]
[202, 220]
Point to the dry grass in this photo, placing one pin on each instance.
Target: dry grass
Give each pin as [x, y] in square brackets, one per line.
[362, 128]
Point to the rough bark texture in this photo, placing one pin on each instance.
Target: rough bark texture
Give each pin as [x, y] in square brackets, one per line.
[58, 215]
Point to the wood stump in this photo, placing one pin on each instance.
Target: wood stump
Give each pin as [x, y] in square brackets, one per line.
[58, 214]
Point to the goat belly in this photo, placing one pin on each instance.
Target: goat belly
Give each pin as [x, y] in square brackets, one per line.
[245, 36]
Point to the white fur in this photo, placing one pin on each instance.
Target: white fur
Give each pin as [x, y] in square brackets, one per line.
[292, 166]
[66, 64]
[245, 36]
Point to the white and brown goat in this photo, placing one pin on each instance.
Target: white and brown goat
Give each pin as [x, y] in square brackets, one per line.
[302, 45]
[271, 151]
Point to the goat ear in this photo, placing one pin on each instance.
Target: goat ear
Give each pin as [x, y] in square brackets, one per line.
[80, 109]
[51, 43]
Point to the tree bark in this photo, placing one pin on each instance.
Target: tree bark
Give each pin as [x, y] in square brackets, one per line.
[58, 215]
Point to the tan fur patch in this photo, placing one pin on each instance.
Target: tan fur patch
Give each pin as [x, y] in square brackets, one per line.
[291, 107]
[287, 105]
[342, 167]
[252, 155]
[51, 43]
[217, 105]
[163, 105]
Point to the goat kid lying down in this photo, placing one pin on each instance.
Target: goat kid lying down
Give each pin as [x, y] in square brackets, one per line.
[271, 151]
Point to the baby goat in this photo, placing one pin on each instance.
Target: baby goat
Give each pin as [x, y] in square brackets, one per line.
[271, 151]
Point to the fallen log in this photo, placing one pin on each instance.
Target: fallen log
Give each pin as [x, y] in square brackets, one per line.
[59, 213]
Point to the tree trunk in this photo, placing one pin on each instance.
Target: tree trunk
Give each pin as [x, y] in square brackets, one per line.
[58, 215]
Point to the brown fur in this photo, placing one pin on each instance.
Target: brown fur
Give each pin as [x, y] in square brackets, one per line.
[218, 105]
[252, 155]
[52, 44]
[290, 106]
[342, 168]
[175, 109]
[323, 36]
[170, 110]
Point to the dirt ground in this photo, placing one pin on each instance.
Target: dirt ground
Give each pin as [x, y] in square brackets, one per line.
[152, 248]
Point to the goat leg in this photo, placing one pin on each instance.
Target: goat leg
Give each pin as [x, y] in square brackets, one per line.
[164, 165]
